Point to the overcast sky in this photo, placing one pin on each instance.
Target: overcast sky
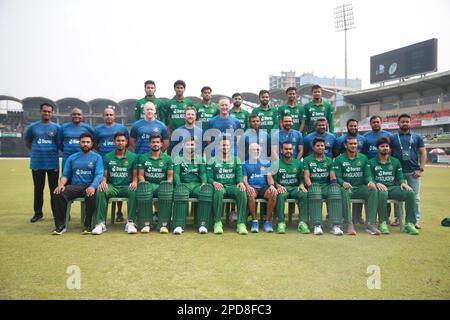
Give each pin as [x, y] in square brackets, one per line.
[92, 49]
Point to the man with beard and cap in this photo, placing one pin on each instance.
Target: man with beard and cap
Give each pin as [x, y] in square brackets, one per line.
[85, 171]
[289, 183]
[287, 134]
[155, 175]
[408, 147]
[297, 111]
[318, 108]
[267, 114]
[206, 109]
[150, 89]
[239, 113]
[321, 132]
[70, 134]
[119, 180]
[388, 176]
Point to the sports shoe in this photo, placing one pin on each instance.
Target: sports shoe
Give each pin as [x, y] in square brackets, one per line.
[396, 223]
[384, 228]
[145, 229]
[318, 230]
[36, 217]
[163, 230]
[336, 230]
[233, 216]
[303, 228]
[218, 228]
[99, 228]
[130, 227]
[351, 229]
[119, 217]
[178, 230]
[281, 228]
[372, 230]
[203, 230]
[86, 230]
[59, 231]
[411, 229]
[241, 228]
[255, 227]
[268, 226]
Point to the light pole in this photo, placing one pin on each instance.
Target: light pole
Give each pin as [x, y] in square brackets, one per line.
[343, 21]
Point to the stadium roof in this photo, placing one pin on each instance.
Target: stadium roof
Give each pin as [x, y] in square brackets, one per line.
[438, 80]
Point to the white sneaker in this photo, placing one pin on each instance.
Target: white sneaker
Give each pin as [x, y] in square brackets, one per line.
[130, 228]
[163, 230]
[202, 230]
[145, 229]
[99, 228]
[318, 230]
[337, 231]
[178, 230]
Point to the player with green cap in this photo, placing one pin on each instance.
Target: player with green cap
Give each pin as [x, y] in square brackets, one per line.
[119, 180]
[191, 181]
[391, 184]
[289, 184]
[354, 175]
[320, 179]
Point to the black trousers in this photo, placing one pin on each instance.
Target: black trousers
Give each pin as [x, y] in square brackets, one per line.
[39, 184]
[71, 192]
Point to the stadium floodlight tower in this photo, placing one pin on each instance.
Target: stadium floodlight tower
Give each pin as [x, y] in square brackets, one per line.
[343, 21]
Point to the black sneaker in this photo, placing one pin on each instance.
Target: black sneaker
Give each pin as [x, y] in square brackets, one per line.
[86, 230]
[59, 231]
[36, 217]
[119, 217]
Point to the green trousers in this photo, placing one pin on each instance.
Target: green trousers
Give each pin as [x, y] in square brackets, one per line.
[101, 201]
[233, 192]
[360, 192]
[330, 192]
[145, 207]
[302, 203]
[396, 193]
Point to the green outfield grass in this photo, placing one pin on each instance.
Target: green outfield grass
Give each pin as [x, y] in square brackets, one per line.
[257, 266]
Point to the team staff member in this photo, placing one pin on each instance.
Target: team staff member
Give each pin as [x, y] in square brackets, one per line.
[41, 138]
[321, 132]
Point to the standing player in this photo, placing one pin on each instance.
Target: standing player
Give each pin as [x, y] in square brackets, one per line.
[185, 132]
[239, 113]
[85, 171]
[155, 175]
[267, 114]
[206, 109]
[224, 172]
[370, 149]
[191, 181]
[119, 180]
[354, 176]
[150, 89]
[70, 134]
[321, 132]
[289, 183]
[287, 134]
[318, 108]
[320, 179]
[41, 139]
[297, 111]
[173, 110]
[144, 128]
[352, 130]
[388, 176]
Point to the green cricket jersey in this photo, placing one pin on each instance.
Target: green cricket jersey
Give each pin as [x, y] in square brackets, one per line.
[155, 170]
[289, 174]
[187, 171]
[139, 108]
[224, 172]
[314, 112]
[390, 174]
[297, 112]
[173, 112]
[269, 118]
[243, 117]
[120, 170]
[319, 170]
[205, 113]
[356, 171]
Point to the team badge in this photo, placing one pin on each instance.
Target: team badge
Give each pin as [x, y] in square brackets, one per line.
[358, 163]
[51, 133]
[90, 164]
[125, 163]
[161, 163]
[155, 129]
[390, 167]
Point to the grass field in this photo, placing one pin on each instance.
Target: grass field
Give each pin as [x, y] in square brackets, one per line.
[257, 266]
